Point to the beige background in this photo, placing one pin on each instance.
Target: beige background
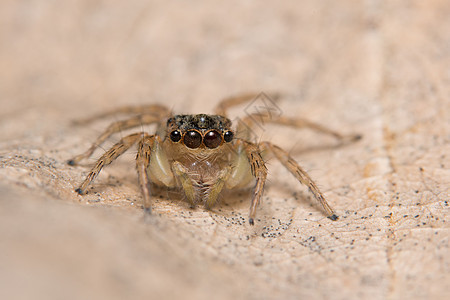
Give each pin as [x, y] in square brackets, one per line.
[380, 68]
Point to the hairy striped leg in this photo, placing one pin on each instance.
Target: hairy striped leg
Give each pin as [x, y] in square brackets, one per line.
[114, 128]
[266, 116]
[108, 157]
[301, 175]
[142, 163]
[259, 171]
[250, 120]
[225, 104]
[149, 109]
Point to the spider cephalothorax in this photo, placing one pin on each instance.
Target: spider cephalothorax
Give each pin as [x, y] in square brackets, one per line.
[200, 130]
[200, 154]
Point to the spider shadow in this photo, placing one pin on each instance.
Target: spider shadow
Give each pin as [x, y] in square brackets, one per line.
[300, 195]
[235, 198]
[228, 200]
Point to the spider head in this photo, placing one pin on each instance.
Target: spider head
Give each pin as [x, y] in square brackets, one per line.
[199, 131]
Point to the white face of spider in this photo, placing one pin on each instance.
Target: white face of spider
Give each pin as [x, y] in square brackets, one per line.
[200, 131]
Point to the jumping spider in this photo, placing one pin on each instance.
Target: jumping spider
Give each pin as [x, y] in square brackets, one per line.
[200, 154]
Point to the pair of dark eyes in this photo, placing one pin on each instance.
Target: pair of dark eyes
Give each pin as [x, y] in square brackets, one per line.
[193, 139]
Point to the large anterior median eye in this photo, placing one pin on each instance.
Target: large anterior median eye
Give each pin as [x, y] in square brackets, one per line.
[212, 139]
[192, 139]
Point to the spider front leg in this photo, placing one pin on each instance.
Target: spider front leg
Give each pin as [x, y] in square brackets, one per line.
[114, 128]
[142, 163]
[108, 157]
[152, 165]
[250, 120]
[259, 172]
[227, 103]
[301, 175]
[148, 109]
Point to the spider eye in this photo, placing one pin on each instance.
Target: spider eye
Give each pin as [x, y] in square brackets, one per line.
[192, 139]
[175, 136]
[212, 139]
[228, 136]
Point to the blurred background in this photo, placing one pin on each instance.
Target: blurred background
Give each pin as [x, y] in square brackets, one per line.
[378, 68]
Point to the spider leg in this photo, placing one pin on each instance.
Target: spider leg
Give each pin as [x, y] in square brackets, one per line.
[142, 163]
[301, 175]
[114, 128]
[259, 171]
[150, 109]
[108, 157]
[250, 120]
[227, 103]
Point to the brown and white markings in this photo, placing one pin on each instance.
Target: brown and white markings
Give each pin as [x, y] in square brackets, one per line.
[201, 154]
